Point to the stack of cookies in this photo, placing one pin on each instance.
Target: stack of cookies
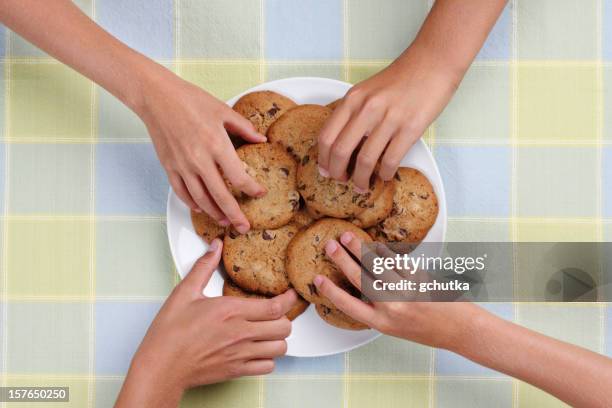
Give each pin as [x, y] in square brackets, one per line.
[302, 210]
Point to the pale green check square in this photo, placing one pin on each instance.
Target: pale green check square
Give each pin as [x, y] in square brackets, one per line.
[278, 71]
[391, 356]
[219, 29]
[107, 390]
[133, 259]
[573, 323]
[557, 29]
[48, 338]
[382, 30]
[50, 178]
[480, 110]
[224, 80]
[473, 393]
[360, 72]
[303, 393]
[388, 392]
[242, 393]
[468, 230]
[49, 100]
[48, 257]
[557, 181]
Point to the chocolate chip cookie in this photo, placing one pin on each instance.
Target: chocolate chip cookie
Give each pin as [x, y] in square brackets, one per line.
[329, 197]
[414, 211]
[206, 227]
[256, 260]
[297, 130]
[262, 108]
[306, 258]
[231, 289]
[271, 166]
[380, 209]
[338, 318]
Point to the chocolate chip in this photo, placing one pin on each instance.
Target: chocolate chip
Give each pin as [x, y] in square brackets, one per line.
[266, 169]
[397, 177]
[295, 204]
[301, 186]
[266, 235]
[305, 160]
[285, 170]
[273, 111]
[233, 234]
[310, 197]
[235, 268]
[424, 196]
[289, 149]
[313, 289]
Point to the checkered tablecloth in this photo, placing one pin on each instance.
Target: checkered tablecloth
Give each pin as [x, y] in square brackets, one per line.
[524, 148]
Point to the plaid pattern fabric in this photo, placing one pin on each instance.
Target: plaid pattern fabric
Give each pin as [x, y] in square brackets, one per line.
[524, 149]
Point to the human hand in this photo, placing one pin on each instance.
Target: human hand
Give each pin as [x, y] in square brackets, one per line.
[189, 128]
[437, 324]
[393, 109]
[196, 340]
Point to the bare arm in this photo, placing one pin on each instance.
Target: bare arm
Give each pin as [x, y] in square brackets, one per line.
[395, 106]
[187, 125]
[573, 374]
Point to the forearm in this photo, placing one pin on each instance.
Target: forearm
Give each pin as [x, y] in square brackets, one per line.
[147, 386]
[454, 32]
[62, 30]
[573, 374]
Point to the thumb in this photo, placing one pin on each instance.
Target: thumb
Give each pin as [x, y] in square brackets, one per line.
[239, 126]
[202, 270]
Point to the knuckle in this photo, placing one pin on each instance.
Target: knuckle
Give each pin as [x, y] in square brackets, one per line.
[373, 103]
[286, 327]
[233, 370]
[365, 159]
[339, 152]
[354, 93]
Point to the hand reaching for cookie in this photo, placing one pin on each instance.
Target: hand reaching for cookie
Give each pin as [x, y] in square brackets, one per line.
[575, 375]
[382, 117]
[189, 128]
[196, 340]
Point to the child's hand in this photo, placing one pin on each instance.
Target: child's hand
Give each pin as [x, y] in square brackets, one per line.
[432, 323]
[393, 109]
[196, 340]
[189, 128]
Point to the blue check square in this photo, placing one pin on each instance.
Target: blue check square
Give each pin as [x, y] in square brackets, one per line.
[476, 179]
[129, 180]
[145, 26]
[450, 364]
[303, 29]
[120, 328]
[607, 30]
[497, 45]
[2, 41]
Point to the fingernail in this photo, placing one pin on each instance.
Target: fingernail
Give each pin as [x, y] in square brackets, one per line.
[224, 222]
[359, 190]
[262, 192]
[242, 228]
[331, 247]
[318, 280]
[262, 137]
[323, 172]
[197, 210]
[346, 238]
[214, 245]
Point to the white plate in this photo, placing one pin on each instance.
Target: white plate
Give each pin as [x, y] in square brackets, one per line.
[310, 336]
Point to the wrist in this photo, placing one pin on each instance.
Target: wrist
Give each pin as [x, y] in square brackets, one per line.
[428, 62]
